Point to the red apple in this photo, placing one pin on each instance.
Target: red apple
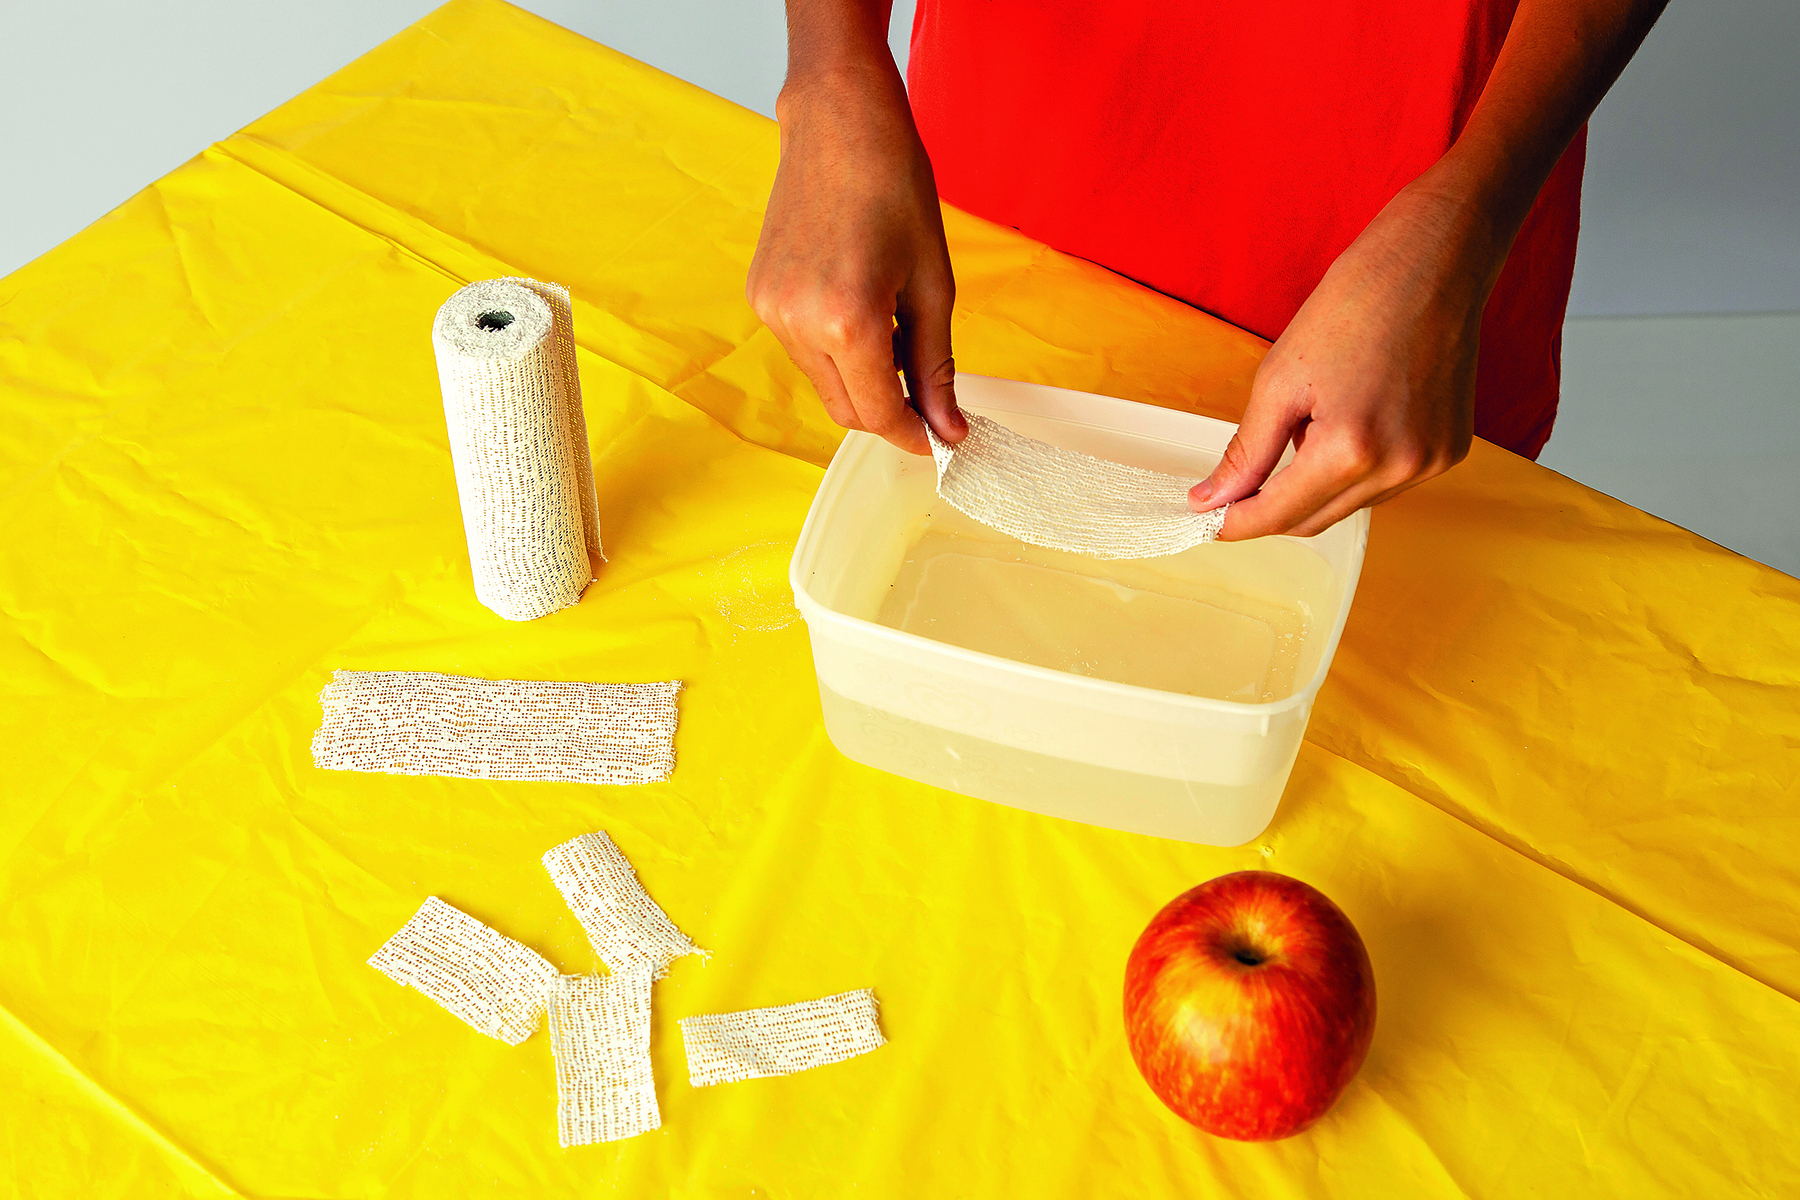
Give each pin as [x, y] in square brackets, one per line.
[1249, 1004]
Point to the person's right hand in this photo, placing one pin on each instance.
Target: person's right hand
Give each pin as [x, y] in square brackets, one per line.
[853, 243]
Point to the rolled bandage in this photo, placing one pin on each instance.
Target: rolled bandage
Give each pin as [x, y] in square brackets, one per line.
[512, 402]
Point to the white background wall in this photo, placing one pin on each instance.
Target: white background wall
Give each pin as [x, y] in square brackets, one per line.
[1690, 205]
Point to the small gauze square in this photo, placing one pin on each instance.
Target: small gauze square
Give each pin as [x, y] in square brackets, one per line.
[759, 1043]
[490, 981]
[626, 927]
[600, 1038]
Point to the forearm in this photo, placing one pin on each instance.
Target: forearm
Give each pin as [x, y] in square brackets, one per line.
[1559, 59]
[852, 274]
[830, 37]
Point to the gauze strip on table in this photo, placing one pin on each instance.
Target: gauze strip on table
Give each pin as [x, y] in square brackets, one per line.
[419, 723]
[628, 930]
[762, 1042]
[1066, 500]
[512, 403]
[600, 1038]
[487, 979]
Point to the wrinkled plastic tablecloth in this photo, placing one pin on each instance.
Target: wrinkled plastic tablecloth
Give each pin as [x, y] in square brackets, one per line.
[1554, 776]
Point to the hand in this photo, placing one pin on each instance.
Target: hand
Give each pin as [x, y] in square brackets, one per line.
[853, 243]
[1373, 381]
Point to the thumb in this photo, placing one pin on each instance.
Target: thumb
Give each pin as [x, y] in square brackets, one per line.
[1251, 455]
[924, 344]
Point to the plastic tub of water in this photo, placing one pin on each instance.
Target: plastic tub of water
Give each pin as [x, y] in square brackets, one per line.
[1165, 696]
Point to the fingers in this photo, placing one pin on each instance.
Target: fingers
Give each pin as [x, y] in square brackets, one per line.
[866, 366]
[851, 363]
[826, 381]
[1334, 474]
[924, 352]
[1295, 515]
[1310, 494]
[1339, 466]
[1268, 425]
[866, 352]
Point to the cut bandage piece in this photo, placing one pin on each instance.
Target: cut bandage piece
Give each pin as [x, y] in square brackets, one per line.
[419, 723]
[1065, 500]
[762, 1042]
[628, 931]
[600, 1037]
[488, 980]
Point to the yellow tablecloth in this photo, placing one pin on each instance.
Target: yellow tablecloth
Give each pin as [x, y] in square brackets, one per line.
[1554, 776]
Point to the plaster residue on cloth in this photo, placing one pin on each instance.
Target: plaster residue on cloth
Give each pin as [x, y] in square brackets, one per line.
[762, 1042]
[750, 587]
[419, 723]
[600, 1038]
[628, 930]
[1065, 500]
[490, 981]
[518, 440]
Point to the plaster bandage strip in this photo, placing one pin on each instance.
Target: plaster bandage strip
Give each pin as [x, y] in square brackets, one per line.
[628, 930]
[600, 1037]
[1066, 500]
[518, 439]
[762, 1042]
[419, 723]
[490, 981]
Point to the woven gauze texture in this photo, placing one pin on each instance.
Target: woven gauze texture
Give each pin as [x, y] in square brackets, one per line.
[518, 439]
[600, 1037]
[762, 1042]
[628, 930]
[419, 723]
[562, 328]
[490, 981]
[1066, 500]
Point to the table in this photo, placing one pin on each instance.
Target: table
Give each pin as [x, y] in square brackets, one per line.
[1554, 776]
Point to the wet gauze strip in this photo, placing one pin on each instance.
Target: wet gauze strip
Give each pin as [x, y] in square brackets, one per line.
[628, 930]
[600, 1038]
[419, 723]
[762, 1042]
[487, 979]
[1065, 500]
[518, 439]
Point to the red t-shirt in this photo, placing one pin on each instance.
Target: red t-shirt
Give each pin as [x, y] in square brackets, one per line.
[1226, 151]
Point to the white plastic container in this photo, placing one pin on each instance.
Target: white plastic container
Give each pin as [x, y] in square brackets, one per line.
[1193, 767]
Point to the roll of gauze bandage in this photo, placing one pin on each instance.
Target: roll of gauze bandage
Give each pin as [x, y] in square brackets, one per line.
[512, 401]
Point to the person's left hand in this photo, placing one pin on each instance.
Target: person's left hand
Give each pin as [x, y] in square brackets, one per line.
[1373, 381]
